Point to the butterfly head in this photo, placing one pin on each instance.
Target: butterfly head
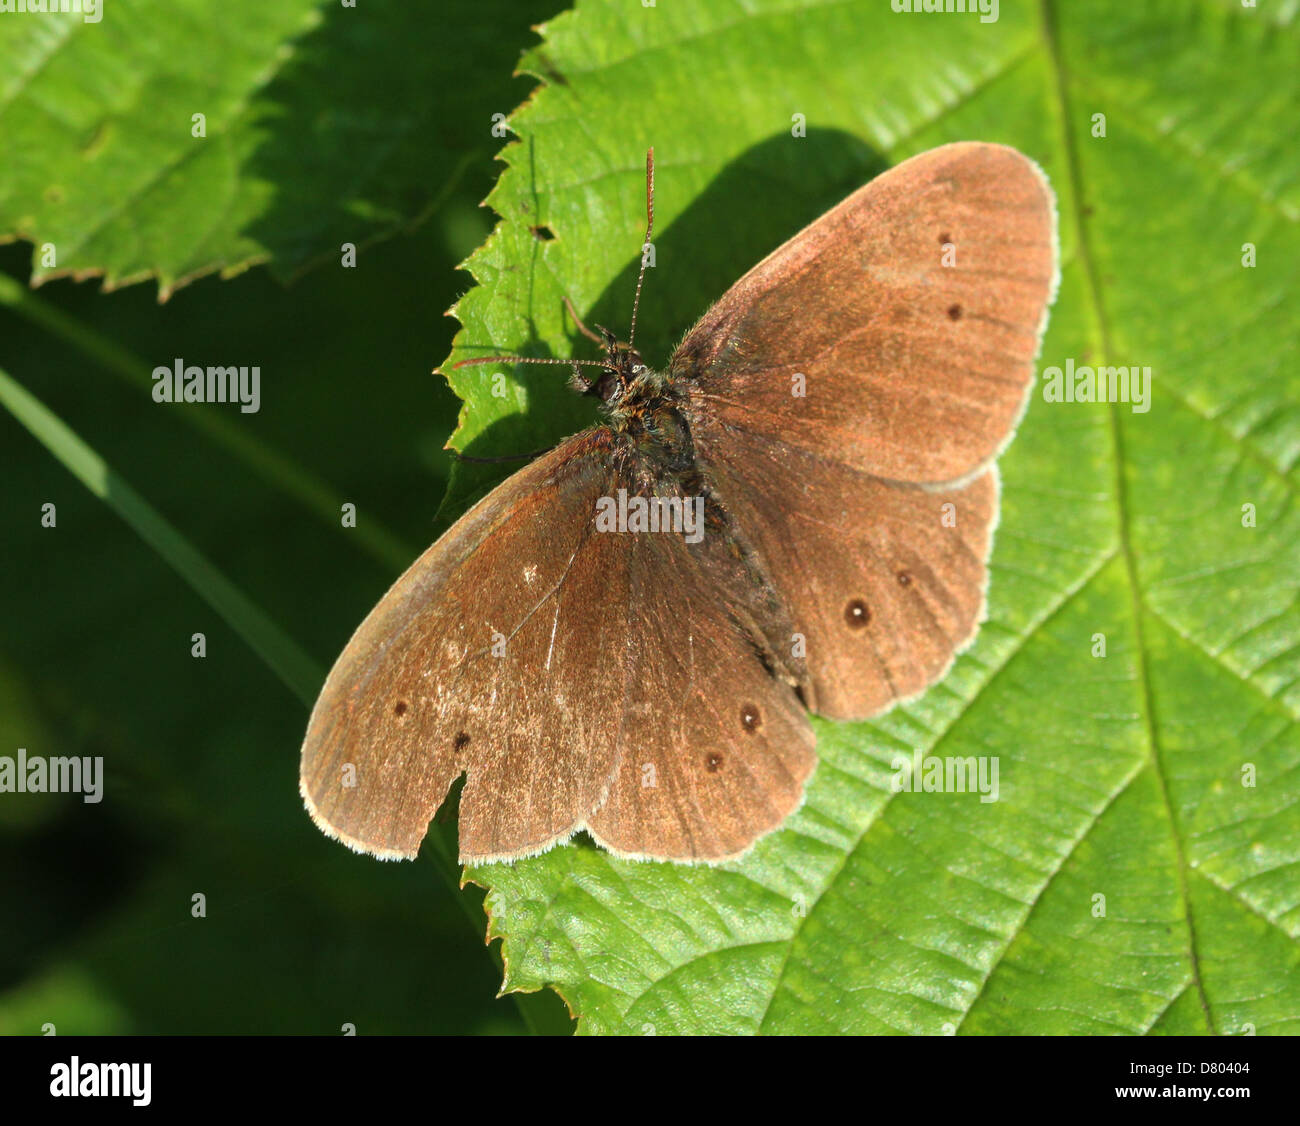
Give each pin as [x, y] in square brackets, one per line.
[622, 372]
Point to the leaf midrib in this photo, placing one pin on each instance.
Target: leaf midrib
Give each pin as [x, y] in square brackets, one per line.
[1085, 259]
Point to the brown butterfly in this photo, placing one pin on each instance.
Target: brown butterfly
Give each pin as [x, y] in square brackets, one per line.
[833, 420]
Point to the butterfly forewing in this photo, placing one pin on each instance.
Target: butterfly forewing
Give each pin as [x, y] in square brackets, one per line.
[898, 332]
[492, 655]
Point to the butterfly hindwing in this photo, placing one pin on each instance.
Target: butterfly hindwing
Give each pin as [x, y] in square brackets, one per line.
[717, 745]
[884, 581]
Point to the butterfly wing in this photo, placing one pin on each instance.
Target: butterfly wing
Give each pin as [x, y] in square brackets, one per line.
[490, 656]
[716, 744]
[885, 581]
[848, 395]
[553, 664]
[898, 332]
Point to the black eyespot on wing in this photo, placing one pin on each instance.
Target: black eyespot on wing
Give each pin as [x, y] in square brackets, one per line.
[904, 578]
[856, 614]
[400, 707]
[461, 741]
[750, 720]
[954, 312]
[713, 763]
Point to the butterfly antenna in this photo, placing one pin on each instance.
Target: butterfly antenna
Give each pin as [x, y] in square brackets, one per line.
[524, 360]
[649, 230]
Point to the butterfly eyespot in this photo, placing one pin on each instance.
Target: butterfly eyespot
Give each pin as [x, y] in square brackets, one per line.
[750, 720]
[713, 763]
[954, 312]
[400, 707]
[904, 578]
[944, 239]
[856, 614]
[461, 741]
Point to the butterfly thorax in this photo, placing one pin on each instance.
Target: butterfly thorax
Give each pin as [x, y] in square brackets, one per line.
[648, 415]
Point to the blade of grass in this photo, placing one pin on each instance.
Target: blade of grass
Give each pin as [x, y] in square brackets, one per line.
[272, 466]
[282, 655]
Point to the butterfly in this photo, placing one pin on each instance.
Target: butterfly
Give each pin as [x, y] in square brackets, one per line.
[832, 422]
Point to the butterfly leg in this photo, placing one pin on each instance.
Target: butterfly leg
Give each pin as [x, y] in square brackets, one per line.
[577, 320]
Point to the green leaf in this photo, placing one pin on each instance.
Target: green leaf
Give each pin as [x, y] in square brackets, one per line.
[324, 124]
[1139, 872]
